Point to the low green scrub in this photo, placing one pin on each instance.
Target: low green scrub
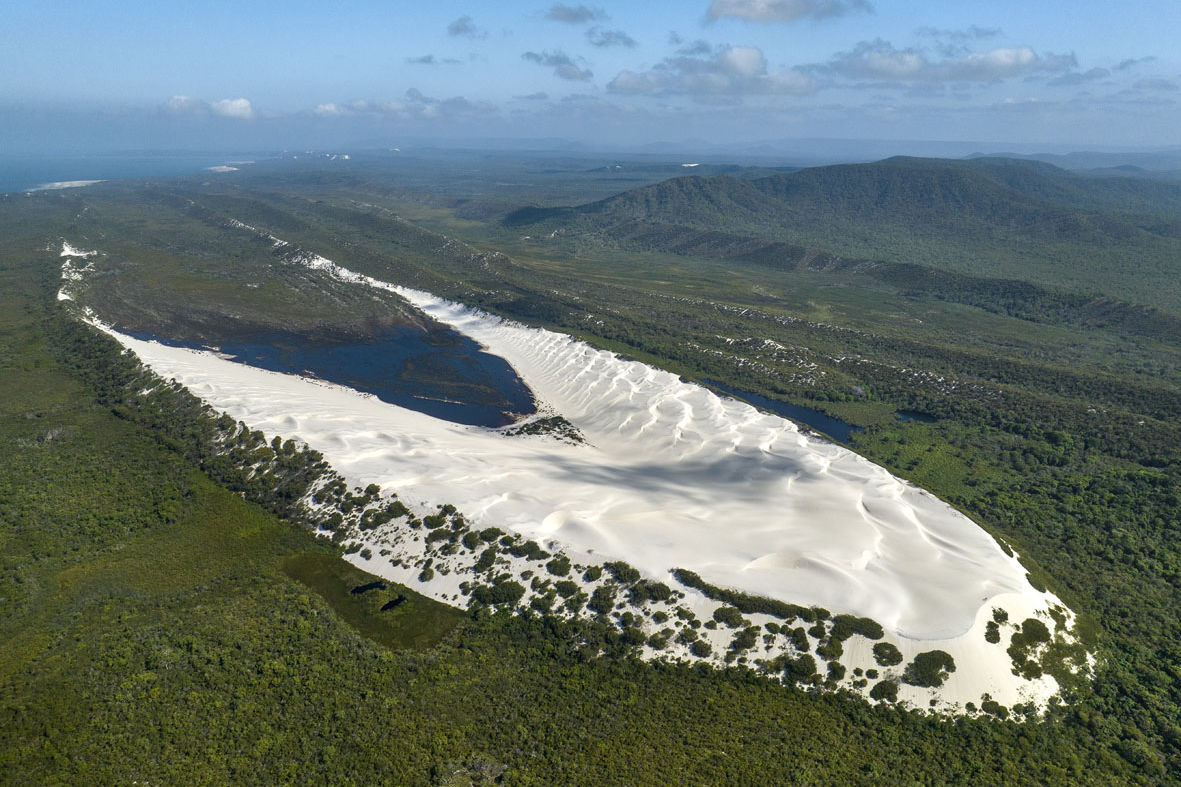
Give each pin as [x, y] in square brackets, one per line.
[505, 592]
[744, 602]
[559, 566]
[929, 669]
[730, 616]
[845, 626]
[392, 615]
[885, 691]
[147, 634]
[887, 654]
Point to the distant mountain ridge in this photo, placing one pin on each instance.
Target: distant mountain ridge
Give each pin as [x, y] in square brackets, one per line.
[986, 218]
[1005, 192]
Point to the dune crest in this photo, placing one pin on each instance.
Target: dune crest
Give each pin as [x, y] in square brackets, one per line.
[675, 475]
[667, 475]
[670, 475]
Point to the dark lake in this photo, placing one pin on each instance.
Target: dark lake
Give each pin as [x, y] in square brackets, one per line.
[821, 422]
[447, 375]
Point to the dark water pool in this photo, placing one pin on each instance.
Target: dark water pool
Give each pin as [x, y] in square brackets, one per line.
[447, 375]
[821, 422]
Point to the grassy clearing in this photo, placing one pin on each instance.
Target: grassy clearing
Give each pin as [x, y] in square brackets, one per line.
[390, 614]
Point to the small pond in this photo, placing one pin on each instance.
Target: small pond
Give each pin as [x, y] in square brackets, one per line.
[822, 422]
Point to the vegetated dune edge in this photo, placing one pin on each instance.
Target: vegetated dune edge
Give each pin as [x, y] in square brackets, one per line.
[670, 475]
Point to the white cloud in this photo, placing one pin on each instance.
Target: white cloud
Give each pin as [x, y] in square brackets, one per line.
[1131, 62]
[881, 61]
[239, 108]
[727, 71]
[970, 33]
[743, 61]
[1079, 78]
[601, 38]
[186, 105]
[1156, 83]
[792, 82]
[953, 43]
[574, 14]
[418, 104]
[465, 27]
[328, 110]
[564, 67]
[767, 11]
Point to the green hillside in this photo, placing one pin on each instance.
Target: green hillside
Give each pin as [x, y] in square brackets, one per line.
[155, 626]
[985, 218]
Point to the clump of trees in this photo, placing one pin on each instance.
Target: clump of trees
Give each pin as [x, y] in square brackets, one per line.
[887, 654]
[647, 590]
[1024, 643]
[730, 616]
[622, 572]
[747, 603]
[801, 669]
[929, 669]
[486, 560]
[845, 626]
[602, 599]
[506, 591]
[745, 639]
[885, 691]
[529, 550]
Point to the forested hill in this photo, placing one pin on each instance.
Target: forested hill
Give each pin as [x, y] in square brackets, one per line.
[1026, 197]
[989, 217]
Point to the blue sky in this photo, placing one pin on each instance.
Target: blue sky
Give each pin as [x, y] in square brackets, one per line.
[78, 73]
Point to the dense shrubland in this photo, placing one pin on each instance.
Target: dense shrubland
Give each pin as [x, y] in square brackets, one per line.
[142, 598]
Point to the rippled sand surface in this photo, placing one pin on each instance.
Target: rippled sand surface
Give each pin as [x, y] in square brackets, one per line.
[672, 475]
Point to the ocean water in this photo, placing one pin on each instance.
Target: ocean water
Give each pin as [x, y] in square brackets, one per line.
[21, 173]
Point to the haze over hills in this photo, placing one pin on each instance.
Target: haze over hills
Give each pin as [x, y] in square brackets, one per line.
[993, 196]
[985, 223]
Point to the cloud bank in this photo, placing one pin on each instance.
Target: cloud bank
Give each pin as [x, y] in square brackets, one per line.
[770, 11]
[701, 71]
[464, 27]
[236, 108]
[880, 61]
[564, 67]
[606, 38]
[574, 14]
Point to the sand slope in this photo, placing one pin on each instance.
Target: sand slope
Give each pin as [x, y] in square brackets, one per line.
[678, 476]
[671, 475]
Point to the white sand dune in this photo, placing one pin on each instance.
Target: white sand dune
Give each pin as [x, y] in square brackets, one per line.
[672, 476]
[675, 475]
